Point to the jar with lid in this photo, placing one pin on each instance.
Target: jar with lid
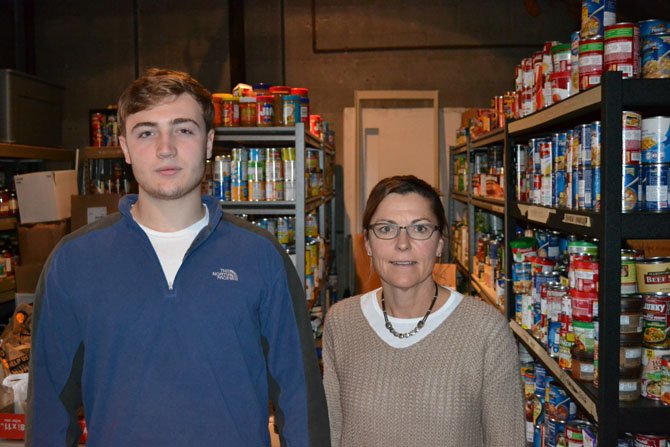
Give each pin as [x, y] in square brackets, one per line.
[629, 384]
[278, 92]
[291, 113]
[304, 104]
[261, 89]
[228, 109]
[247, 111]
[264, 110]
[236, 111]
[631, 314]
[217, 101]
[582, 365]
[630, 350]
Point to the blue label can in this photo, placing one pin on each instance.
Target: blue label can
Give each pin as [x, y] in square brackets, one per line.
[588, 188]
[631, 188]
[540, 380]
[652, 26]
[553, 337]
[655, 141]
[560, 196]
[596, 15]
[655, 56]
[655, 184]
[595, 188]
[584, 144]
[554, 433]
[576, 174]
[595, 143]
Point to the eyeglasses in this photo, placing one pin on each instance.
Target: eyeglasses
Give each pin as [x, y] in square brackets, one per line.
[418, 231]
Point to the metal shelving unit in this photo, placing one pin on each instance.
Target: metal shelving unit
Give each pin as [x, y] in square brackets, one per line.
[606, 103]
[303, 141]
[489, 204]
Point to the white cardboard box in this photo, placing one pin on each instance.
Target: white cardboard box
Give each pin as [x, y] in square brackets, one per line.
[45, 196]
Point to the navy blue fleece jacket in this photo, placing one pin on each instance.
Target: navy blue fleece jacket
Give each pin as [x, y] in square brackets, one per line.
[194, 365]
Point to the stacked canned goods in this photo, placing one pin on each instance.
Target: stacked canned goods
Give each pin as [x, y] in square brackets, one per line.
[488, 177]
[653, 282]
[561, 170]
[489, 262]
[254, 174]
[551, 415]
[560, 70]
[555, 282]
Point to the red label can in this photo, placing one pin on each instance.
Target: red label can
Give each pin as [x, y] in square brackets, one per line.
[590, 62]
[632, 137]
[642, 440]
[622, 49]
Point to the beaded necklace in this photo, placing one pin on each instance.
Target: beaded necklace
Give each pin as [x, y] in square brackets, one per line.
[419, 325]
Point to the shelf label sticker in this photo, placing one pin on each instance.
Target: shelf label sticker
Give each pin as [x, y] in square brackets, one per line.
[575, 219]
[539, 214]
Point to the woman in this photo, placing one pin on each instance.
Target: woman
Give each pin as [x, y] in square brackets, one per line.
[411, 363]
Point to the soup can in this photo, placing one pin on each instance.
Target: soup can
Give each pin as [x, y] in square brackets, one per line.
[590, 61]
[655, 184]
[554, 433]
[654, 374]
[643, 440]
[622, 52]
[596, 140]
[574, 431]
[559, 404]
[595, 188]
[585, 142]
[656, 56]
[596, 15]
[652, 26]
[632, 137]
[655, 142]
[586, 275]
[631, 195]
[653, 275]
[628, 274]
[656, 319]
[574, 62]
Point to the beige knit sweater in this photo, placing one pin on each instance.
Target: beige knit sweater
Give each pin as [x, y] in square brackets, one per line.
[460, 386]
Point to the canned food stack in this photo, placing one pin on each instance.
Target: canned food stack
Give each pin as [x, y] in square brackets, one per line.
[488, 179]
[460, 174]
[551, 415]
[560, 70]
[555, 281]
[257, 174]
[489, 259]
[653, 283]
[460, 242]
[561, 170]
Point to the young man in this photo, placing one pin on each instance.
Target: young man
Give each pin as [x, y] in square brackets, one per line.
[174, 323]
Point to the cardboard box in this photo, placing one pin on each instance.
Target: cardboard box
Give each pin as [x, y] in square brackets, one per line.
[45, 196]
[27, 276]
[87, 209]
[37, 240]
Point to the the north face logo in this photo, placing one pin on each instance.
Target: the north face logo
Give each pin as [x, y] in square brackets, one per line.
[225, 275]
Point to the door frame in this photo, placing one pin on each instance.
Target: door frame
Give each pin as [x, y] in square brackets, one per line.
[389, 95]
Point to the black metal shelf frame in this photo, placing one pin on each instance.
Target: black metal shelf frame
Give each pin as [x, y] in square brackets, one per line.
[610, 226]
